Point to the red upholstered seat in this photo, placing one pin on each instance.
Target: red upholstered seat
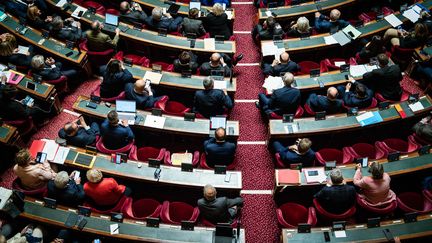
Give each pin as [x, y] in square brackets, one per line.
[329, 64]
[121, 96]
[382, 210]
[298, 114]
[428, 195]
[24, 126]
[401, 55]
[175, 212]
[362, 150]
[279, 162]
[204, 165]
[404, 97]
[142, 208]
[97, 59]
[306, 66]
[172, 107]
[146, 153]
[100, 9]
[165, 66]
[414, 138]
[113, 11]
[330, 154]
[373, 104]
[136, 59]
[331, 216]
[309, 110]
[60, 84]
[39, 192]
[195, 158]
[291, 214]
[413, 202]
[116, 208]
[390, 145]
[101, 148]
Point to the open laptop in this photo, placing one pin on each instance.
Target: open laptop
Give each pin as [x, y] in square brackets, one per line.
[126, 110]
[111, 22]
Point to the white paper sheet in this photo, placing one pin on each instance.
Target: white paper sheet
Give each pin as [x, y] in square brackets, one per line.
[269, 48]
[416, 8]
[357, 70]
[61, 155]
[154, 77]
[329, 40]
[416, 106]
[23, 50]
[50, 149]
[154, 121]
[61, 3]
[364, 116]
[268, 13]
[209, 44]
[114, 229]
[229, 14]
[340, 234]
[353, 30]
[279, 51]
[271, 83]
[338, 64]
[77, 10]
[219, 84]
[393, 20]
[412, 15]
[341, 38]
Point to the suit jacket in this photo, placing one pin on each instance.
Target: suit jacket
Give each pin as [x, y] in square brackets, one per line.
[171, 24]
[83, 137]
[35, 175]
[285, 100]
[218, 25]
[211, 102]
[376, 192]
[206, 68]
[69, 33]
[216, 211]
[115, 137]
[337, 199]
[291, 157]
[290, 66]
[321, 103]
[350, 99]
[194, 26]
[143, 101]
[100, 41]
[13, 110]
[50, 72]
[193, 64]
[385, 81]
[112, 86]
[324, 25]
[219, 153]
[424, 131]
[134, 17]
[72, 195]
[106, 192]
[266, 34]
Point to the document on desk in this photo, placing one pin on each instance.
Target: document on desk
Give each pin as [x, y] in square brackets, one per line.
[416, 106]
[329, 40]
[23, 50]
[219, 84]
[61, 3]
[393, 20]
[154, 121]
[76, 12]
[209, 44]
[341, 38]
[338, 64]
[50, 148]
[154, 77]
[268, 13]
[357, 71]
[114, 229]
[279, 51]
[61, 155]
[412, 15]
[351, 29]
[271, 83]
[269, 48]
[340, 234]
[2, 16]
[369, 118]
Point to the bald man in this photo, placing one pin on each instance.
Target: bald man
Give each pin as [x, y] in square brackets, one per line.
[141, 93]
[324, 24]
[218, 151]
[217, 62]
[218, 209]
[284, 64]
[132, 13]
[330, 104]
[98, 41]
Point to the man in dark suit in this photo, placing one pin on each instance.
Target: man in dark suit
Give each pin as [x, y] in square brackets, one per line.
[385, 79]
[300, 152]
[141, 92]
[66, 190]
[333, 22]
[282, 101]
[185, 62]
[217, 62]
[98, 41]
[336, 197]
[192, 25]
[284, 64]
[211, 102]
[218, 151]
[78, 133]
[66, 30]
[423, 129]
[218, 210]
[49, 69]
[330, 104]
[267, 30]
[115, 136]
[361, 97]
[132, 14]
[159, 20]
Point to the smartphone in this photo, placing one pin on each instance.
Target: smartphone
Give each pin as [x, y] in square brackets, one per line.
[80, 13]
[326, 236]
[40, 157]
[227, 177]
[69, 54]
[313, 173]
[91, 105]
[321, 84]
[147, 83]
[82, 224]
[192, 43]
[77, 175]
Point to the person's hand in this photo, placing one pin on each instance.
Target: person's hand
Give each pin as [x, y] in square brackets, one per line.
[358, 166]
[396, 239]
[70, 19]
[293, 147]
[117, 31]
[48, 19]
[168, 15]
[124, 123]
[222, 61]
[78, 24]
[82, 121]
[50, 61]
[348, 86]
[275, 62]
[317, 14]
[72, 174]
[16, 50]
[57, 240]
[78, 180]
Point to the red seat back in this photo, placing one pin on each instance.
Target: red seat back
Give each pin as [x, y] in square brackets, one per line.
[294, 213]
[365, 150]
[101, 147]
[330, 154]
[306, 66]
[381, 210]
[116, 208]
[413, 202]
[145, 153]
[143, 208]
[175, 212]
[350, 212]
[39, 192]
[100, 9]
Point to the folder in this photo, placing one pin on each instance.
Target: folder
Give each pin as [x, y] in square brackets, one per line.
[288, 176]
[369, 118]
[36, 146]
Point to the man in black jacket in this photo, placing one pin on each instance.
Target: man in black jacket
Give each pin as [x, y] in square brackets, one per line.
[284, 64]
[329, 103]
[141, 92]
[159, 20]
[423, 129]
[218, 210]
[218, 151]
[78, 134]
[132, 14]
[66, 190]
[361, 97]
[267, 30]
[211, 102]
[49, 69]
[66, 30]
[217, 62]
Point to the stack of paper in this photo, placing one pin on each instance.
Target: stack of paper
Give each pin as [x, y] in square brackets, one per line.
[61, 155]
[154, 77]
[219, 84]
[287, 176]
[412, 15]
[23, 50]
[369, 118]
[209, 44]
[269, 48]
[12, 75]
[350, 29]
[50, 149]
[315, 175]
[329, 40]
[268, 13]
[271, 83]
[179, 158]
[341, 38]
[154, 121]
[357, 71]
[338, 64]
[416, 106]
[393, 20]
[61, 3]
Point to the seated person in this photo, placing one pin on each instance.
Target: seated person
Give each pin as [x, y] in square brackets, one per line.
[301, 28]
[49, 69]
[217, 62]
[186, 61]
[211, 102]
[9, 51]
[211, 2]
[336, 197]
[103, 192]
[115, 77]
[132, 13]
[141, 92]
[66, 190]
[218, 151]
[19, 8]
[409, 40]
[385, 79]
[217, 23]
[115, 135]
[69, 29]
[300, 152]
[78, 134]
[284, 64]
[218, 209]
[375, 189]
[330, 104]
[32, 175]
[30, 233]
[267, 30]
[159, 20]
[36, 18]
[372, 48]
[325, 24]
[423, 129]
[98, 41]
[192, 25]
[282, 101]
[361, 97]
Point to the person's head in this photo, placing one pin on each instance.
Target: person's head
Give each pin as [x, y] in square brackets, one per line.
[114, 66]
[33, 12]
[209, 192]
[157, 13]
[70, 128]
[304, 145]
[124, 7]
[377, 170]
[7, 44]
[57, 23]
[383, 59]
[270, 23]
[184, 58]
[94, 176]
[113, 118]
[217, 9]
[332, 93]
[360, 90]
[284, 57]
[303, 25]
[215, 59]
[38, 62]
[8, 92]
[336, 177]
[193, 13]
[220, 134]
[23, 157]
[139, 86]
[334, 15]
[208, 83]
[61, 180]
[421, 32]
[96, 26]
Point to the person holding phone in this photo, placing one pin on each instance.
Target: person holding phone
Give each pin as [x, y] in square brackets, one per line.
[115, 77]
[300, 152]
[141, 92]
[78, 133]
[67, 29]
[49, 69]
[66, 189]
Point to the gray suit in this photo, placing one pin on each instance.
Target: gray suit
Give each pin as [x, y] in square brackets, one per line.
[192, 26]
[218, 210]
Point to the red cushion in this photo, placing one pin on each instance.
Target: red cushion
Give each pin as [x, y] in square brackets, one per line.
[294, 213]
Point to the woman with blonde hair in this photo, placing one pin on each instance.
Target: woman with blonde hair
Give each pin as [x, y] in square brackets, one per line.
[300, 28]
[35, 17]
[9, 51]
[408, 39]
[217, 23]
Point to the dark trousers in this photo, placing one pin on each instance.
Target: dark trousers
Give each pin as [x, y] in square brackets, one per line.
[264, 103]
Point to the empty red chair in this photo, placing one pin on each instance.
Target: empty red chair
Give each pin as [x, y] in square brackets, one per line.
[136, 59]
[331, 216]
[329, 64]
[195, 158]
[381, 210]
[172, 107]
[165, 66]
[299, 113]
[24, 126]
[428, 195]
[100, 9]
[309, 110]
[121, 96]
[40, 192]
[330, 154]
[97, 58]
[175, 212]
[126, 149]
[362, 150]
[306, 66]
[390, 145]
[291, 214]
[414, 138]
[401, 56]
[116, 208]
[204, 165]
[404, 97]
[142, 208]
[113, 11]
[413, 202]
[146, 153]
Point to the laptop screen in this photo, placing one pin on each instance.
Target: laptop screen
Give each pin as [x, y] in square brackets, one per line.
[196, 5]
[111, 19]
[217, 121]
[125, 106]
